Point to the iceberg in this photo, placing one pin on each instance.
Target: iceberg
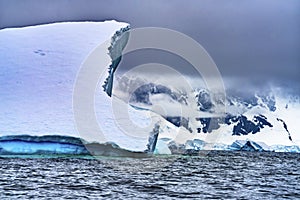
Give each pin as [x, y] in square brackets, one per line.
[48, 145]
[282, 148]
[38, 69]
[196, 144]
[39, 66]
[243, 145]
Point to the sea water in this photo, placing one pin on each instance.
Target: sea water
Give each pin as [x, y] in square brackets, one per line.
[216, 175]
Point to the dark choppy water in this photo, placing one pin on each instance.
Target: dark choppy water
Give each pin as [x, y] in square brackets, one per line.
[227, 175]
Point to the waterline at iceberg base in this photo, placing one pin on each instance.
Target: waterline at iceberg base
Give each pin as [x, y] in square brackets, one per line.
[67, 145]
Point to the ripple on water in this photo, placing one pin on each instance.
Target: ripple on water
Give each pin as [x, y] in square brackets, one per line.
[235, 175]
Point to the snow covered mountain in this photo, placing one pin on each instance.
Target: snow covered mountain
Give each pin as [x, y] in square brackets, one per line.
[38, 70]
[269, 118]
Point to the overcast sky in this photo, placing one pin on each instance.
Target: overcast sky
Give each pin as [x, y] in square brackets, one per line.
[249, 39]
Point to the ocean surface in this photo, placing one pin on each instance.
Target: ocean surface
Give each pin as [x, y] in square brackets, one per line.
[217, 175]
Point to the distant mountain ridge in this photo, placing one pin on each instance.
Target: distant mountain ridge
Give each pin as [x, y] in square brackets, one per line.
[247, 117]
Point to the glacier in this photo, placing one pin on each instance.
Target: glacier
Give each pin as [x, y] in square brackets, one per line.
[38, 69]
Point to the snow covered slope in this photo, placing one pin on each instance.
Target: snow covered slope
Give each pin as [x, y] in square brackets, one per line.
[38, 67]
